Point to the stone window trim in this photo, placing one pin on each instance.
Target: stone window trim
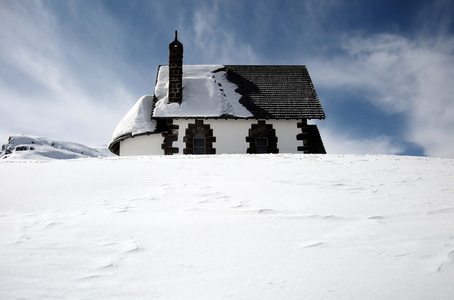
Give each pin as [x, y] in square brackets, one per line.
[303, 136]
[199, 127]
[170, 136]
[261, 130]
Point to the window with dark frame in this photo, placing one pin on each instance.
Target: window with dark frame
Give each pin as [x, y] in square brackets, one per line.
[199, 143]
[199, 138]
[261, 144]
[262, 138]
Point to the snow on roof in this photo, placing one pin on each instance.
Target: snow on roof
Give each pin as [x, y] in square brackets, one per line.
[137, 120]
[206, 93]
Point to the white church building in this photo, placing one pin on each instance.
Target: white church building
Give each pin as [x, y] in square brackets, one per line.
[217, 109]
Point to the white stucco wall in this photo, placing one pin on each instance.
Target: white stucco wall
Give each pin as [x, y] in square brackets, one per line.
[230, 137]
[142, 145]
[286, 131]
[231, 134]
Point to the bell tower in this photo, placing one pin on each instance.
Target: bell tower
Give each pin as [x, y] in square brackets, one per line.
[175, 71]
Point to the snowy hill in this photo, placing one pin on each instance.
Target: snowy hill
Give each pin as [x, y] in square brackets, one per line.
[33, 147]
[228, 227]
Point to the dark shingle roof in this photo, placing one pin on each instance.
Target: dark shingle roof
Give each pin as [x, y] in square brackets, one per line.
[276, 92]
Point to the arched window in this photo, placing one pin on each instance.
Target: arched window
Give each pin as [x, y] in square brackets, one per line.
[199, 143]
[262, 138]
[199, 138]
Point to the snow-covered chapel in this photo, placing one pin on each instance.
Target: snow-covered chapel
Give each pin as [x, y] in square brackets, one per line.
[216, 109]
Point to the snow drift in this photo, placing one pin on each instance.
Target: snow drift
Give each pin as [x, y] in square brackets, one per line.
[33, 147]
[228, 226]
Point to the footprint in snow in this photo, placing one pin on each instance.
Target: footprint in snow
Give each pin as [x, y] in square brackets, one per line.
[51, 224]
[449, 262]
[96, 276]
[213, 198]
[132, 248]
[109, 265]
[378, 219]
[268, 211]
[241, 204]
[446, 210]
[312, 245]
[121, 209]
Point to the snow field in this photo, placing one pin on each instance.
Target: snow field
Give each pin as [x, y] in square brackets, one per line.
[228, 226]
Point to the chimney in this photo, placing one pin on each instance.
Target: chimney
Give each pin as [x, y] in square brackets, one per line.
[175, 71]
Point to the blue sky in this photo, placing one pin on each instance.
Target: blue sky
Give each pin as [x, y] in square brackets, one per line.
[383, 70]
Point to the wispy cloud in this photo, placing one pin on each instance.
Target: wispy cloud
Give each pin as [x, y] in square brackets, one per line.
[403, 72]
[57, 85]
[401, 76]
[216, 43]
[345, 143]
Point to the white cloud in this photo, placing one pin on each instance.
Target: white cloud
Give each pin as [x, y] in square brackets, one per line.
[400, 75]
[346, 143]
[218, 45]
[74, 86]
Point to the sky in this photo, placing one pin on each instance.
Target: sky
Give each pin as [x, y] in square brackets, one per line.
[383, 70]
